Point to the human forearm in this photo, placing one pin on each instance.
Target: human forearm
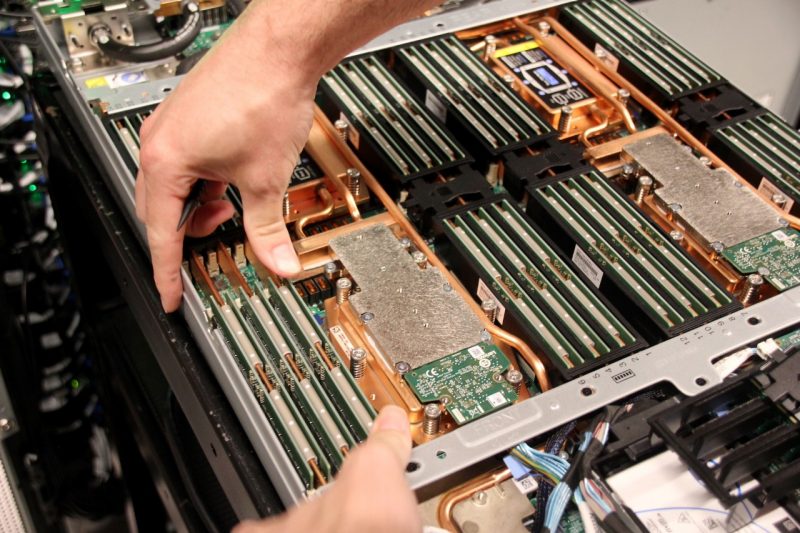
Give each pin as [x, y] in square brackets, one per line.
[310, 36]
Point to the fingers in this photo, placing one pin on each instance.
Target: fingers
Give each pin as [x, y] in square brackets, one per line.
[165, 200]
[207, 217]
[266, 231]
[140, 199]
[391, 430]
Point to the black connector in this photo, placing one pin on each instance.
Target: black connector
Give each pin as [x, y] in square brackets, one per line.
[430, 198]
[742, 438]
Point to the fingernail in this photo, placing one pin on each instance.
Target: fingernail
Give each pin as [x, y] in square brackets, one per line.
[285, 259]
[392, 418]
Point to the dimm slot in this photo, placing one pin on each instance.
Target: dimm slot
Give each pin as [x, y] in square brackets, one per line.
[660, 60]
[771, 146]
[297, 392]
[349, 399]
[404, 131]
[373, 124]
[302, 382]
[558, 272]
[289, 427]
[541, 327]
[670, 288]
[474, 92]
[536, 280]
[708, 292]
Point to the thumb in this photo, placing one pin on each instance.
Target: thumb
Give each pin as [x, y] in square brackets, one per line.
[266, 231]
[392, 431]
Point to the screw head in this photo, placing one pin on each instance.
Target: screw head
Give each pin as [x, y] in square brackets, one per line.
[717, 247]
[676, 235]
[401, 367]
[358, 354]
[366, 317]
[432, 410]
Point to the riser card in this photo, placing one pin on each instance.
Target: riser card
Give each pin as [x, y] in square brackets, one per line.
[642, 271]
[390, 128]
[477, 103]
[541, 298]
[645, 55]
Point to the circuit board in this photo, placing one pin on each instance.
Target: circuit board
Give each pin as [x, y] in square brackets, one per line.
[775, 255]
[790, 339]
[469, 383]
[207, 38]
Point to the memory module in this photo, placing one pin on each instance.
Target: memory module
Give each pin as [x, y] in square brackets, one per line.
[124, 129]
[312, 403]
[473, 100]
[644, 54]
[496, 248]
[384, 123]
[638, 267]
[765, 150]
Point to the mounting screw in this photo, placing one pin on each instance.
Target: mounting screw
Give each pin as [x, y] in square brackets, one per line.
[402, 368]
[367, 317]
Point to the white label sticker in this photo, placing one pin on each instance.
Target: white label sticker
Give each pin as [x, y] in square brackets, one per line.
[768, 190]
[780, 235]
[435, 106]
[341, 339]
[125, 78]
[352, 133]
[606, 57]
[484, 294]
[477, 352]
[526, 485]
[587, 266]
[497, 399]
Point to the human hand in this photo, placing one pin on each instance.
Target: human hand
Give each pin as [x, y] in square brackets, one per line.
[240, 121]
[370, 493]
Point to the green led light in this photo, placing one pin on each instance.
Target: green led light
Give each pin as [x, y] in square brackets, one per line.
[75, 383]
[32, 187]
[6, 95]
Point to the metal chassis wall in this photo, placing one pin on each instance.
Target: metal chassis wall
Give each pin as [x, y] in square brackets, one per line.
[684, 361]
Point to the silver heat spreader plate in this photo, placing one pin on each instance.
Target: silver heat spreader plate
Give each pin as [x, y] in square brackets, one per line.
[712, 204]
[417, 316]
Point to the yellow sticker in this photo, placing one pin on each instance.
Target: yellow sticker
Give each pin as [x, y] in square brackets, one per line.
[517, 48]
[93, 83]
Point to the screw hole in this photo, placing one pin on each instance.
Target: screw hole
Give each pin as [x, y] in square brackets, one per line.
[166, 89]
[441, 454]
[413, 466]
[439, 25]
[701, 382]
[587, 391]
[754, 321]
[213, 450]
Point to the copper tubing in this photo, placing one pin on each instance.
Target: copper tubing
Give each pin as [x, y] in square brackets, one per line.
[524, 351]
[597, 128]
[263, 376]
[661, 114]
[349, 199]
[372, 184]
[584, 73]
[317, 472]
[444, 513]
[322, 214]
